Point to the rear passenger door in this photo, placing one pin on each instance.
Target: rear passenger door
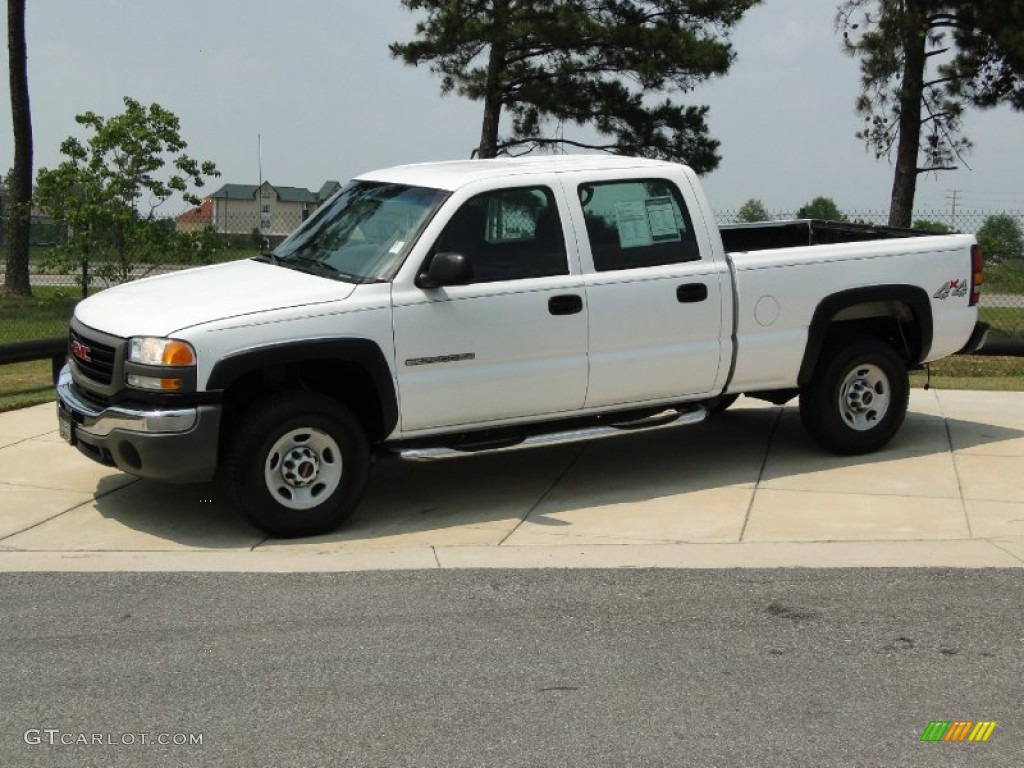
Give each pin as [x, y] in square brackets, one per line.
[513, 342]
[655, 308]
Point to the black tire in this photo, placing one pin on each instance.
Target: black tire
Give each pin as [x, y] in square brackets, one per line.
[720, 404]
[857, 399]
[298, 464]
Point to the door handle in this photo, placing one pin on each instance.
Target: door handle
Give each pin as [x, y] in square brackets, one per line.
[691, 293]
[570, 304]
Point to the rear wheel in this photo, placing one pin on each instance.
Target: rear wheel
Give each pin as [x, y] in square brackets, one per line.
[857, 399]
[298, 464]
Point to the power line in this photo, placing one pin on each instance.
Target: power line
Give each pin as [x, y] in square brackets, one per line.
[952, 197]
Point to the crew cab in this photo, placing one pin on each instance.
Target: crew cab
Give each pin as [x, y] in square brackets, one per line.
[477, 305]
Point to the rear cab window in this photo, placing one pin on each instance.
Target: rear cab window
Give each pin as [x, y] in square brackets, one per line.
[637, 223]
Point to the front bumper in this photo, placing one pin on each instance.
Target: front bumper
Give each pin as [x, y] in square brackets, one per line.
[175, 445]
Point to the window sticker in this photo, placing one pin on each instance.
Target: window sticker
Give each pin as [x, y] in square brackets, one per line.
[661, 217]
[633, 224]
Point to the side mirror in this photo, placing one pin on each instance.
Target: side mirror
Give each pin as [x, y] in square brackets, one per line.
[446, 268]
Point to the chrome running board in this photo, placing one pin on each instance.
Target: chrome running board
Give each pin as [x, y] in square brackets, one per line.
[658, 421]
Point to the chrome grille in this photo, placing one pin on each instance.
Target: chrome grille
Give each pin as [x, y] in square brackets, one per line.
[93, 359]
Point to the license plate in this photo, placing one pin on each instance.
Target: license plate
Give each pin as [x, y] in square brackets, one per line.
[65, 426]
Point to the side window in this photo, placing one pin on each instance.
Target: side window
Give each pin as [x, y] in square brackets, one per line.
[642, 223]
[508, 234]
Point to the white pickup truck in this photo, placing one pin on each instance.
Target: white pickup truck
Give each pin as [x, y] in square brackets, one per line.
[476, 305]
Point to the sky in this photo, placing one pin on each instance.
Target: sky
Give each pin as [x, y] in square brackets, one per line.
[314, 85]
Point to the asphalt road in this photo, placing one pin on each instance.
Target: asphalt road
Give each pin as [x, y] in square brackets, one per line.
[511, 668]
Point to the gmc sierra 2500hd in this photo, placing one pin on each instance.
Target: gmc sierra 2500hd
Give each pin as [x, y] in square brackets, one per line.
[478, 304]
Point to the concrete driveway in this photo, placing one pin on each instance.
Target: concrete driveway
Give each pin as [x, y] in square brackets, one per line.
[745, 489]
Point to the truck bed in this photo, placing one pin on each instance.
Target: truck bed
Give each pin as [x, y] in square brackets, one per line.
[768, 235]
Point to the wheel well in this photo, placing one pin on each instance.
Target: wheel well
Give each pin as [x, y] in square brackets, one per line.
[347, 382]
[897, 316]
[899, 333]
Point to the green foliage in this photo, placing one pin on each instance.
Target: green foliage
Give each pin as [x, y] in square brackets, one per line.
[41, 230]
[105, 194]
[821, 208]
[989, 67]
[751, 211]
[1004, 277]
[928, 225]
[1000, 237]
[584, 62]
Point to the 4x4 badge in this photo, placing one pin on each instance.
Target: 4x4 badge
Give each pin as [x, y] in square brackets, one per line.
[952, 288]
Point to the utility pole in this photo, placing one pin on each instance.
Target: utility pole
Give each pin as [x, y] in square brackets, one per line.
[264, 222]
[952, 195]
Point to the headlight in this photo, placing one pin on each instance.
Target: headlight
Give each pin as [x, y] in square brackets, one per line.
[147, 355]
[147, 350]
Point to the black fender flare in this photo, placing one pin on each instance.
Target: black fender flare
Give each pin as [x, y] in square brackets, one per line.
[362, 352]
[914, 297]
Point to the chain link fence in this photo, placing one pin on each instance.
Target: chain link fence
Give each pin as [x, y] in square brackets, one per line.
[961, 220]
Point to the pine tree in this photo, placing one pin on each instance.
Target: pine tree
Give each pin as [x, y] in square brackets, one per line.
[598, 63]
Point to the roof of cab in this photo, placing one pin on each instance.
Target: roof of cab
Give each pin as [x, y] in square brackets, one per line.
[451, 175]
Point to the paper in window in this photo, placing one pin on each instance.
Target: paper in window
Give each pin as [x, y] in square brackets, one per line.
[661, 216]
[633, 224]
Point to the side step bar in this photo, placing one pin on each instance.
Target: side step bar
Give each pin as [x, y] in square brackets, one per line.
[659, 421]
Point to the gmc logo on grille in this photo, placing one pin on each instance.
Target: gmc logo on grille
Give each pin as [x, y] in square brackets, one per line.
[80, 351]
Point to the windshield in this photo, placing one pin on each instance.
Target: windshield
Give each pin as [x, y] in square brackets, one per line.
[362, 234]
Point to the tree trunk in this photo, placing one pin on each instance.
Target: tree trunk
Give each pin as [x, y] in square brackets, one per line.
[493, 98]
[17, 280]
[904, 183]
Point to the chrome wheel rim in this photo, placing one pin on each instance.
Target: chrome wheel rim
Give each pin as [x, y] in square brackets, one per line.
[303, 468]
[864, 397]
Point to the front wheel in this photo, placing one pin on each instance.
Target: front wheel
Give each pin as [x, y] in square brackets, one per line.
[298, 464]
[857, 399]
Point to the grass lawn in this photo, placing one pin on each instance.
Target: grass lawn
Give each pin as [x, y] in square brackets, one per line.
[24, 384]
[1005, 277]
[974, 372]
[45, 315]
[1008, 321]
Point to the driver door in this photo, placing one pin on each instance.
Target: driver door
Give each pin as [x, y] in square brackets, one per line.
[510, 343]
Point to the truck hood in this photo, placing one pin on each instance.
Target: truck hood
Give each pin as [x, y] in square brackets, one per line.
[166, 304]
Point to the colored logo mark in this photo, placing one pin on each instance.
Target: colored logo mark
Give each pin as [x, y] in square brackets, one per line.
[958, 730]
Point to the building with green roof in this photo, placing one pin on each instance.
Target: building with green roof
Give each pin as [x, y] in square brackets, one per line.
[272, 211]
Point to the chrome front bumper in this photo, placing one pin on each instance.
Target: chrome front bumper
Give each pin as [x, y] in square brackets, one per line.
[100, 423]
[177, 445]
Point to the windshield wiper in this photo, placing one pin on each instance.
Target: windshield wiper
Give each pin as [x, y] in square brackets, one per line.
[319, 267]
[268, 258]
